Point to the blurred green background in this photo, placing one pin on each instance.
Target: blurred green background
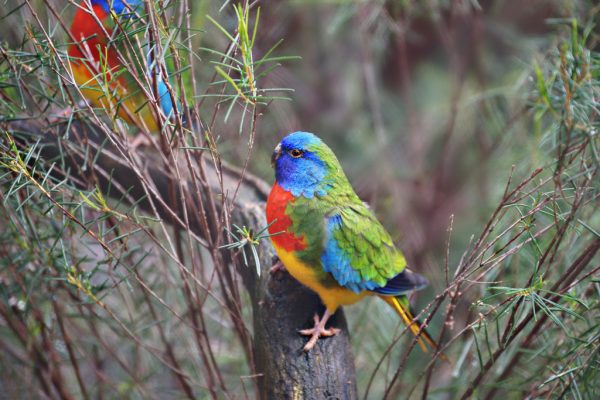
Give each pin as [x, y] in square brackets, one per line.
[427, 104]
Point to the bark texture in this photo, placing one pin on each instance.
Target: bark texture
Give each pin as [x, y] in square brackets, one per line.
[281, 306]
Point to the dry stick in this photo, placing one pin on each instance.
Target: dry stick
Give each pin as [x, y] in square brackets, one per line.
[196, 328]
[226, 211]
[185, 269]
[58, 311]
[232, 299]
[196, 314]
[467, 328]
[574, 270]
[204, 224]
[199, 332]
[107, 348]
[22, 334]
[593, 272]
[434, 304]
[115, 184]
[187, 291]
[236, 316]
[228, 283]
[454, 296]
[168, 347]
[502, 257]
[21, 81]
[513, 313]
[533, 333]
[210, 356]
[122, 364]
[493, 220]
[191, 275]
[171, 187]
[588, 361]
[236, 309]
[194, 303]
[231, 294]
[552, 247]
[136, 339]
[414, 342]
[251, 139]
[54, 361]
[186, 110]
[462, 272]
[50, 363]
[577, 200]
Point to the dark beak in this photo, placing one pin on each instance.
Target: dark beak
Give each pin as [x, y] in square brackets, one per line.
[276, 154]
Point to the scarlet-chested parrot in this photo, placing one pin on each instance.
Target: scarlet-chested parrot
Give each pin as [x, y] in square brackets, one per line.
[98, 57]
[329, 240]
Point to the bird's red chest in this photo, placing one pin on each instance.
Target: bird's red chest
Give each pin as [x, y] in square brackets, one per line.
[280, 222]
[91, 40]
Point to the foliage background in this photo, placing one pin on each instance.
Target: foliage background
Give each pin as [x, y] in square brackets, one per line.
[431, 106]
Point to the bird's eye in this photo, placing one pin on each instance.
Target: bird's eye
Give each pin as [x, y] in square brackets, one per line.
[296, 153]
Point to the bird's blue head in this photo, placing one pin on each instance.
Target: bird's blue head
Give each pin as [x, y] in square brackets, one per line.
[305, 165]
[119, 6]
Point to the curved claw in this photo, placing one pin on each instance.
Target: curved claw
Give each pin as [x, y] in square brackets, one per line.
[318, 331]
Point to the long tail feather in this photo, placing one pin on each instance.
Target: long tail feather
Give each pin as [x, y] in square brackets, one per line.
[400, 304]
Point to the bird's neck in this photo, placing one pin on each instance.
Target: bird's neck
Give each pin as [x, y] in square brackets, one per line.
[307, 185]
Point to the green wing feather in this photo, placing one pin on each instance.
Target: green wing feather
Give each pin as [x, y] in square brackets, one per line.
[358, 251]
[346, 241]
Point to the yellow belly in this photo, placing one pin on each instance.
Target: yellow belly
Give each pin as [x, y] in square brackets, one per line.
[332, 297]
[114, 98]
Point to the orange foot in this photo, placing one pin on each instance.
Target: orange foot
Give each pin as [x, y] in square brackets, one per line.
[60, 115]
[318, 330]
[140, 140]
[277, 267]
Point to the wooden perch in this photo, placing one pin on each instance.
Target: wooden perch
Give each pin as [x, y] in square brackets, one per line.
[281, 306]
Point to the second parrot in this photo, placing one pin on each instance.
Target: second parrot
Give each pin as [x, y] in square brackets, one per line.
[97, 61]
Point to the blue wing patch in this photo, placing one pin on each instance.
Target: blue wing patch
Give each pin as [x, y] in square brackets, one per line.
[337, 263]
[164, 96]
